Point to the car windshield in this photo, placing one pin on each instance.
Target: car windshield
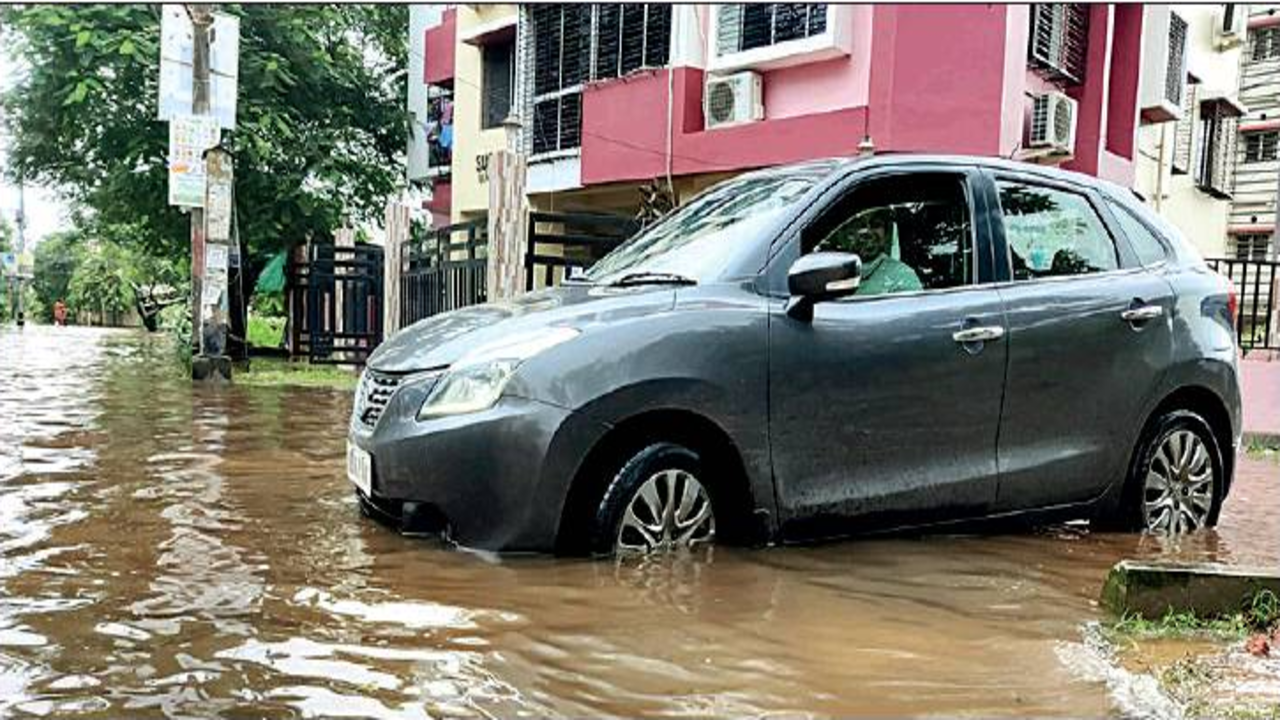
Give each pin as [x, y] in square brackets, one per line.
[694, 242]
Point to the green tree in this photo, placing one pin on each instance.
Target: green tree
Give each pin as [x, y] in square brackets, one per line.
[321, 123]
[6, 236]
[56, 259]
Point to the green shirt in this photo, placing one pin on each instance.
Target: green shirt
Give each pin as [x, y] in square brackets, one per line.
[887, 275]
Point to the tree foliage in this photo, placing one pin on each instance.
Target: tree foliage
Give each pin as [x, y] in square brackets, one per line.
[320, 131]
[6, 236]
[95, 268]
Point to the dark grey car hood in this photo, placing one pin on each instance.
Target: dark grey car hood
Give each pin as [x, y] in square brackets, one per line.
[440, 340]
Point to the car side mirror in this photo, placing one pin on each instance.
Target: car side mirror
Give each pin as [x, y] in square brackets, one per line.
[821, 276]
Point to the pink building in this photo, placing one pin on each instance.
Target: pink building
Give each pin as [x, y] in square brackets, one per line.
[612, 97]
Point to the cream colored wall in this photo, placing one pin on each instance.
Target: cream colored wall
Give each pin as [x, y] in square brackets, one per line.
[470, 193]
[1202, 218]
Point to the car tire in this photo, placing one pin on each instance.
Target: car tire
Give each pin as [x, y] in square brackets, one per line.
[1165, 482]
[655, 502]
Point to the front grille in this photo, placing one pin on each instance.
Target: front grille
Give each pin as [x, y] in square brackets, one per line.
[372, 396]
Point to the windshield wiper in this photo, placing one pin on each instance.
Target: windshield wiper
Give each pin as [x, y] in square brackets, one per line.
[653, 278]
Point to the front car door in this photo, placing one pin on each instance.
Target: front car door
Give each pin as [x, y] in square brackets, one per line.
[883, 410]
[1089, 332]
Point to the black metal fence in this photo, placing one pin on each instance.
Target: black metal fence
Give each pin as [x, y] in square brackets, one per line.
[443, 269]
[335, 303]
[570, 241]
[1257, 288]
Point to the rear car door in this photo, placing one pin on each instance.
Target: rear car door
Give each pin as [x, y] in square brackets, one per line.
[1089, 335]
[879, 413]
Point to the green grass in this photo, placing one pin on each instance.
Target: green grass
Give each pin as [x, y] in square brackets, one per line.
[265, 331]
[1260, 611]
[276, 372]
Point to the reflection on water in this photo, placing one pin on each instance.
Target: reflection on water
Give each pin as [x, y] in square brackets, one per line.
[179, 551]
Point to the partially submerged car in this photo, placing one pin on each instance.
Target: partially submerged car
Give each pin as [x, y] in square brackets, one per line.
[819, 350]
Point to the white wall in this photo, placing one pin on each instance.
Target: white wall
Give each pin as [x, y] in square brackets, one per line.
[1202, 218]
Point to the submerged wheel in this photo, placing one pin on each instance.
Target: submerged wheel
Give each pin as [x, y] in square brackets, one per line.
[1179, 477]
[655, 503]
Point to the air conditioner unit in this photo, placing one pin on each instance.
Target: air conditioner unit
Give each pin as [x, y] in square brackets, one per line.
[1230, 29]
[1053, 123]
[1164, 64]
[733, 99]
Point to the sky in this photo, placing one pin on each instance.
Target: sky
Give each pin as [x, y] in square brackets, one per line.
[46, 213]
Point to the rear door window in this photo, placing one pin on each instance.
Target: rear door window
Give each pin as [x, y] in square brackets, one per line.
[1053, 233]
[1145, 244]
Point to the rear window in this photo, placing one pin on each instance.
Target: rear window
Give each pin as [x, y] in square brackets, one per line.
[1149, 249]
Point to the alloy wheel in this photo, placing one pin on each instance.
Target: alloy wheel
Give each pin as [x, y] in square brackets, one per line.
[671, 510]
[1178, 493]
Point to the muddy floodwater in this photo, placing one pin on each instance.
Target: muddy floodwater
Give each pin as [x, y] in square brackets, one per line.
[191, 552]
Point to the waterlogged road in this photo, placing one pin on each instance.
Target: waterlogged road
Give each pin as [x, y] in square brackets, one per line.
[170, 551]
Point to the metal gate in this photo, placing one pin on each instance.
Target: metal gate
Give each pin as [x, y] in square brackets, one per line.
[335, 303]
[1257, 287]
[443, 269]
[570, 241]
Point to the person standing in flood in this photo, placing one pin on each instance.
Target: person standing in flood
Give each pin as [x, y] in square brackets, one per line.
[59, 312]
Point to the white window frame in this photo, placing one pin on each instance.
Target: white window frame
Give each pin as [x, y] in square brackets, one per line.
[833, 42]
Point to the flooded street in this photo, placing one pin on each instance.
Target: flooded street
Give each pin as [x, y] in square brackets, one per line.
[175, 551]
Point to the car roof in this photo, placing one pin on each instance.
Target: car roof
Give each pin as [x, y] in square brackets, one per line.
[993, 163]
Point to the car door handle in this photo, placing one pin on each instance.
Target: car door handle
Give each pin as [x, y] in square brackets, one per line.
[982, 333]
[1142, 313]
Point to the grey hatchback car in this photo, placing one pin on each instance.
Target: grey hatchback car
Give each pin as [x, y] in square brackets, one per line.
[819, 350]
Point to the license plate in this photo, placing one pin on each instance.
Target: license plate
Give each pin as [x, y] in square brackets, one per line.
[360, 469]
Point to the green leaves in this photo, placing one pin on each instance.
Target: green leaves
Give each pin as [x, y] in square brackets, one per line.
[321, 123]
[78, 94]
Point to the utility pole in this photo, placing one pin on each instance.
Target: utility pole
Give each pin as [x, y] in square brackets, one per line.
[214, 365]
[22, 248]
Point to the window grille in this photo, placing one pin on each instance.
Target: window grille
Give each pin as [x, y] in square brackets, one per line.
[1216, 151]
[1059, 40]
[1264, 43]
[1184, 133]
[1252, 246]
[575, 44]
[1175, 77]
[746, 27]
[1262, 146]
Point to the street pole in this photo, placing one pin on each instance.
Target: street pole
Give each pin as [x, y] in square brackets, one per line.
[209, 363]
[22, 248]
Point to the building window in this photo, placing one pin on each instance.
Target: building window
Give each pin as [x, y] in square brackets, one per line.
[574, 44]
[498, 79]
[1253, 246]
[561, 65]
[1215, 148]
[630, 37]
[1265, 43]
[439, 127]
[1184, 133]
[1059, 40]
[746, 27]
[1176, 71]
[1262, 146]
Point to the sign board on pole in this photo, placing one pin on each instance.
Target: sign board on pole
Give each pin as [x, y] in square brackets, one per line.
[217, 203]
[177, 45]
[189, 137]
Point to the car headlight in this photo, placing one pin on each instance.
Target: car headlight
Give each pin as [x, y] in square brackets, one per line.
[477, 380]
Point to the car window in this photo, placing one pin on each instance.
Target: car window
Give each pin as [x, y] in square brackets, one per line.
[1145, 244]
[1053, 232]
[912, 232]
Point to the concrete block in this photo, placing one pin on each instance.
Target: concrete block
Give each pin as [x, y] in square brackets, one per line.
[1154, 589]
